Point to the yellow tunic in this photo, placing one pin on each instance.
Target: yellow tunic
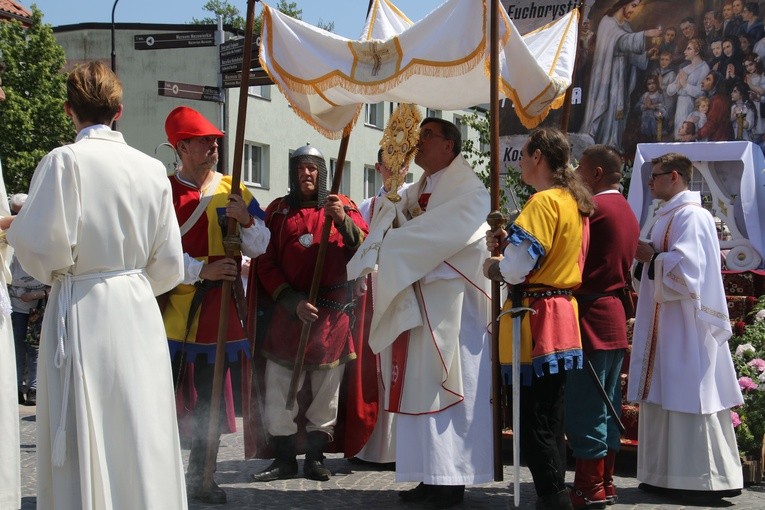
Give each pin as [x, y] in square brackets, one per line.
[558, 234]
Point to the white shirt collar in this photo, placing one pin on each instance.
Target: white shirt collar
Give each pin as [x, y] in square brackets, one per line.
[432, 180]
[91, 129]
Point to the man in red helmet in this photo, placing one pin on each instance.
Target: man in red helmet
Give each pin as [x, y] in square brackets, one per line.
[203, 200]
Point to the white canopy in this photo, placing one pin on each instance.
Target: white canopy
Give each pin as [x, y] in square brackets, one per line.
[441, 62]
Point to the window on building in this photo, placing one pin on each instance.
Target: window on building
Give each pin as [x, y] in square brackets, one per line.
[261, 91]
[345, 182]
[461, 126]
[372, 181]
[255, 165]
[374, 115]
[433, 113]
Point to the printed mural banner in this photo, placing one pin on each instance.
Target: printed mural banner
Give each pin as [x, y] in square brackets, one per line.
[659, 70]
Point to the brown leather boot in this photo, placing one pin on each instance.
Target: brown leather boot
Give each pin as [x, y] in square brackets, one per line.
[588, 489]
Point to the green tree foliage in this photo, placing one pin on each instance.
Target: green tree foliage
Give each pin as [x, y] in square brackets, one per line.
[32, 118]
[479, 155]
[230, 13]
[233, 16]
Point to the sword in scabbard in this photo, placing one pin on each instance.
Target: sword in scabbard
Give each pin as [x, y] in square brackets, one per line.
[602, 392]
[516, 312]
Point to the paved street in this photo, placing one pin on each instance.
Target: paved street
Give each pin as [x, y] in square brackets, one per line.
[355, 486]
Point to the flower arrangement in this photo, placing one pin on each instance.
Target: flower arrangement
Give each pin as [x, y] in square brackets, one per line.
[748, 349]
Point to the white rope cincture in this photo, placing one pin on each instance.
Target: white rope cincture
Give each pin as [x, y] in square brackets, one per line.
[65, 350]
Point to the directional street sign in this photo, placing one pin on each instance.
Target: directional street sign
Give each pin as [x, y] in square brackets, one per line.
[188, 91]
[173, 40]
[232, 55]
[257, 77]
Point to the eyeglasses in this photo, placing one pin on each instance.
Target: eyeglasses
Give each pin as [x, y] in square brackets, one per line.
[427, 133]
[654, 176]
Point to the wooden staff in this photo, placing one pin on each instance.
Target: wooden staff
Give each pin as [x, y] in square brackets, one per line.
[495, 221]
[231, 244]
[313, 295]
[570, 90]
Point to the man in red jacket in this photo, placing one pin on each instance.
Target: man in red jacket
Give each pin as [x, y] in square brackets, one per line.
[285, 272]
[592, 432]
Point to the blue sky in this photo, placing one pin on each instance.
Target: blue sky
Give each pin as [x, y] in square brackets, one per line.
[348, 15]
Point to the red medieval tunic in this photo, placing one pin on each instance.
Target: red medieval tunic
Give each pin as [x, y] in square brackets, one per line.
[204, 242]
[613, 240]
[288, 262]
[336, 336]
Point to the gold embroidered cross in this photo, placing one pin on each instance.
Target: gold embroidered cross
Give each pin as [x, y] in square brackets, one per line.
[375, 54]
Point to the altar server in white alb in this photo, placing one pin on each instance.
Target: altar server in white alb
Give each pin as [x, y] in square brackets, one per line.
[681, 371]
[430, 321]
[99, 227]
[10, 471]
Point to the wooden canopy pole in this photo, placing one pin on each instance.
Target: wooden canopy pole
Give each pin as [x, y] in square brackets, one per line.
[313, 295]
[231, 244]
[495, 221]
[570, 90]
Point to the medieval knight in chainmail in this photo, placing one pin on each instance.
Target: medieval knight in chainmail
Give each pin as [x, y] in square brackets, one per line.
[285, 273]
[307, 155]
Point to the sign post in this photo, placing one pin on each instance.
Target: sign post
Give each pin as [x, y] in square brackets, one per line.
[173, 40]
[189, 91]
[231, 58]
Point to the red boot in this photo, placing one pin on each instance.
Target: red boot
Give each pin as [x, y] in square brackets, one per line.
[588, 489]
[608, 477]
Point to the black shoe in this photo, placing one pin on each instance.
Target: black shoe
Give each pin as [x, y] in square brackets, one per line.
[445, 496]
[315, 470]
[21, 398]
[31, 397]
[214, 496]
[705, 498]
[661, 491]
[278, 470]
[416, 495]
[654, 489]
[557, 501]
[371, 465]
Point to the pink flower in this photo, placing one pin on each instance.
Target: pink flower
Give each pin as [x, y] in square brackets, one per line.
[746, 384]
[735, 419]
[757, 363]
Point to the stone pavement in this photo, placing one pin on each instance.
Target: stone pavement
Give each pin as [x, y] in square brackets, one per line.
[358, 487]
